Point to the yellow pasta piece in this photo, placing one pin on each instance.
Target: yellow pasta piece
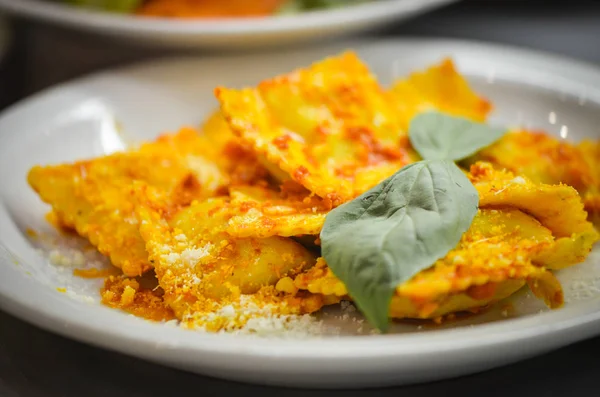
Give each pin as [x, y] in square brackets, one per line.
[203, 270]
[263, 212]
[557, 207]
[590, 150]
[229, 153]
[440, 88]
[521, 230]
[93, 196]
[216, 130]
[492, 261]
[329, 127]
[545, 159]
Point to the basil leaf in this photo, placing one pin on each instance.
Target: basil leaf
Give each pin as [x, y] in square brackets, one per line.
[384, 237]
[437, 135]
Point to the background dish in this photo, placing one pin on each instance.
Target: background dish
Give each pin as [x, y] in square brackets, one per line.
[225, 34]
[78, 120]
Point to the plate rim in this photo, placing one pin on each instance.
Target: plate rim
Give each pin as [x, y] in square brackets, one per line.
[356, 15]
[582, 316]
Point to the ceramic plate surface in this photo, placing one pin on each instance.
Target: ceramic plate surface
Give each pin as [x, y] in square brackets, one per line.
[105, 112]
[223, 34]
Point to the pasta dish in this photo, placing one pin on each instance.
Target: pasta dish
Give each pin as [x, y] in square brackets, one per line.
[320, 187]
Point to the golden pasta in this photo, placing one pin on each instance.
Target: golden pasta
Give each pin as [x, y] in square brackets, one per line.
[329, 127]
[227, 219]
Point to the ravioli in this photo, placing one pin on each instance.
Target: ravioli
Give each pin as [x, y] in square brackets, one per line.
[492, 261]
[520, 232]
[557, 207]
[202, 269]
[439, 87]
[236, 158]
[329, 127]
[591, 194]
[263, 212]
[93, 196]
[545, 159]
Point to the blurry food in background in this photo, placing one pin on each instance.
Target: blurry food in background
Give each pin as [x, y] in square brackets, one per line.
[208, 8]
[108, 5]
[211, 8]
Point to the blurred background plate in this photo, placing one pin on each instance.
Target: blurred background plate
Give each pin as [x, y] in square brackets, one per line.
[234, 33]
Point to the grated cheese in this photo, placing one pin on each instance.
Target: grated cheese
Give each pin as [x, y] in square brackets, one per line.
[192, 256]
[244, 316]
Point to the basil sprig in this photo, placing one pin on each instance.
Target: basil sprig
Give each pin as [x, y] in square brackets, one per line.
[400, 227]
[440, 136]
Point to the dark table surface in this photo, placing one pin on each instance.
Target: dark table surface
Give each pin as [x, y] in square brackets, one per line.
[36, 363]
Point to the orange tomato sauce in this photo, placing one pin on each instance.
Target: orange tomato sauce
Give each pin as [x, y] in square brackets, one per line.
[138, 296]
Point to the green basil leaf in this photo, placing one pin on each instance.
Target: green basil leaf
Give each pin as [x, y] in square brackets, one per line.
[402, 226]
[437, 135]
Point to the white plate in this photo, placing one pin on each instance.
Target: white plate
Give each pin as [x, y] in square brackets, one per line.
[79, 119]
[233, 33]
